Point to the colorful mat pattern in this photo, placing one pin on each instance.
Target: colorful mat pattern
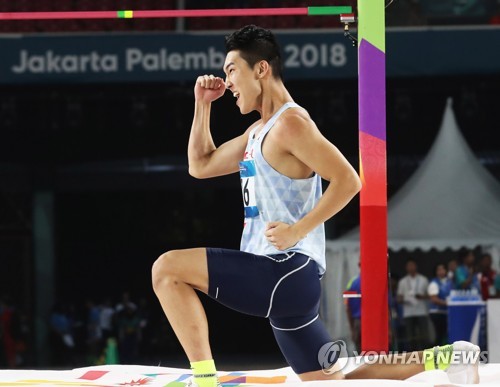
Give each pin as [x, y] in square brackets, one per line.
[134, 375]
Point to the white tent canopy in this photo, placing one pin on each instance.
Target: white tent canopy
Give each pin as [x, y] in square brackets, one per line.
[451, 201]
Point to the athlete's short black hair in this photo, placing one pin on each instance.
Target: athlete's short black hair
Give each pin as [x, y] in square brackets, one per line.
[256, 44]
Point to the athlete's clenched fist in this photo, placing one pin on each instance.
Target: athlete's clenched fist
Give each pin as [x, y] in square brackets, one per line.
[208, 88]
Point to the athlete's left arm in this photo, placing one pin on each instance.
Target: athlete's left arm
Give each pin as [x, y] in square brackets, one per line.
[306, 143]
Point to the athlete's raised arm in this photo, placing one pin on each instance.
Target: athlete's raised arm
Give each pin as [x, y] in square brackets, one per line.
[206, 159]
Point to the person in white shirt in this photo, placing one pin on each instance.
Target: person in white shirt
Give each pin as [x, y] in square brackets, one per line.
[106, 319]
[412, 292]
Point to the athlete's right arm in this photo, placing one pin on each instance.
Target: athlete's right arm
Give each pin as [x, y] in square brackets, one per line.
[205, 159]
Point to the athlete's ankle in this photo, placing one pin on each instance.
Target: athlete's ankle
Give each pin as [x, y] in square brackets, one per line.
[205, 373]
[438, 358]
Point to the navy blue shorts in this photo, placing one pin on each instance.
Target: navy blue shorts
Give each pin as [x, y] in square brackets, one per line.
[284, 288]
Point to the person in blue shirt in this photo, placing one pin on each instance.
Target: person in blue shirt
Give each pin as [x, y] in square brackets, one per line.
[439, 289]
[465, 274]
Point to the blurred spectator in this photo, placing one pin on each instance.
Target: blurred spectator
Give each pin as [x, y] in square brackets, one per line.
[128, 334]
[22, 335]
[3, 360]
[125, 303]
[106, 316]
[14, 335]
[143, 313]
[62, 336]
[412, 292]
[94, 335]
[353, 308]
[465, 273]
[7, 341]
[396, 316]
[452, 266]
[486, 277]
[497, 285]
[439, 289]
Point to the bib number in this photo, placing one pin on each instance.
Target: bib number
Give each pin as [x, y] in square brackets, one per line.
[247, 175]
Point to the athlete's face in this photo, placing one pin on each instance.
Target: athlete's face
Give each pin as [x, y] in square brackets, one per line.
[242, 81]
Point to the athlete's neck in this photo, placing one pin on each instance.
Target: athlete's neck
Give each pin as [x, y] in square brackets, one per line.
[274, 96]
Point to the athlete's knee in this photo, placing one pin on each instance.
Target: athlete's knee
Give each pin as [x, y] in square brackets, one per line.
[164, 270]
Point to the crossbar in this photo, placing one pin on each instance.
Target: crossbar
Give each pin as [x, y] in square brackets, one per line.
[176, 13]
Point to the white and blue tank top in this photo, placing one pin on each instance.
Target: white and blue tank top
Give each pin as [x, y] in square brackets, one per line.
[270, 196]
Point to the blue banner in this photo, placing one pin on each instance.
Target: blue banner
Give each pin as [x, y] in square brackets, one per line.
[160, 57]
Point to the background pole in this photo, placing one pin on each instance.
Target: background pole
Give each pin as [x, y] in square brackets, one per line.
[373, 171]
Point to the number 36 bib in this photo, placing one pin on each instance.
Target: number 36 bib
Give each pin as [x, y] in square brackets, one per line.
[247, 175]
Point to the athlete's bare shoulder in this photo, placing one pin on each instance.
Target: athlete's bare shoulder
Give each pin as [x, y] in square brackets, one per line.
[294, 121]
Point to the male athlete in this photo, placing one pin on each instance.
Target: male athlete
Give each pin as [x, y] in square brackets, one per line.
[281, 159]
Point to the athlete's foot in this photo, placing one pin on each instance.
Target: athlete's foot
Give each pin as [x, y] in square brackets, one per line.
[463, 368]
[192, 383]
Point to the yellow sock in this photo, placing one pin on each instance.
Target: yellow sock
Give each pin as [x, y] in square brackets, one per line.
[204, 372]
[438, 358]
